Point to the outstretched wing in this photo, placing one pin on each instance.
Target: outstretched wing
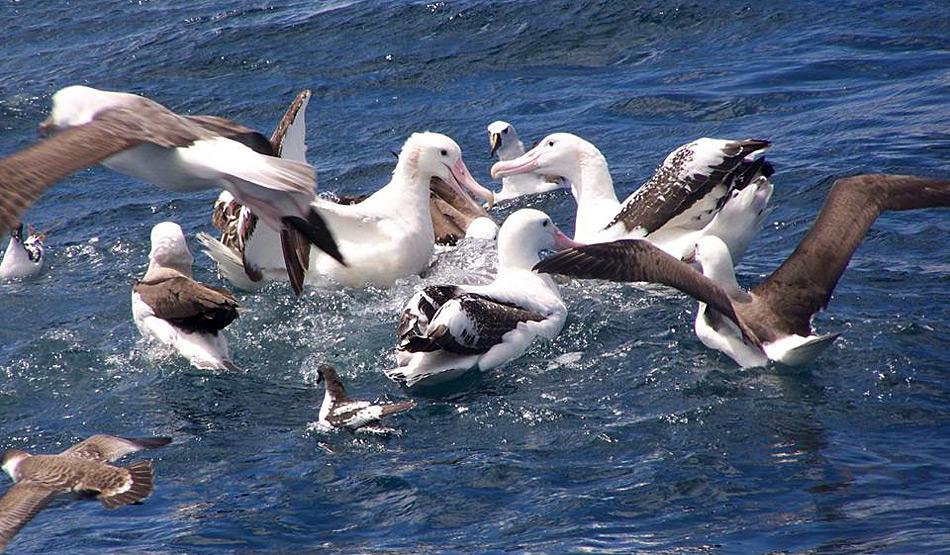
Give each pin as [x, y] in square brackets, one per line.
[640, 260]
[803, 284]
[106, 448]
[470, 324]
[18, 506]
[188, 304]
[687, 186]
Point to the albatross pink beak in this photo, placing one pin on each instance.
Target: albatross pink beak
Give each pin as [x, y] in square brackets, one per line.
[465, 179]
[563, 242]
[526, 163]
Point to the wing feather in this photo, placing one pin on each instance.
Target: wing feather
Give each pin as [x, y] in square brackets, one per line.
[472, 324]
[106, 448]
[19, 505]
[189, 304]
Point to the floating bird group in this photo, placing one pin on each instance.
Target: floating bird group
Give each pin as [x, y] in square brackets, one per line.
[686, 228]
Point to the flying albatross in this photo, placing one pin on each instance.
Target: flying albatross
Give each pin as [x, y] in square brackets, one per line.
[141, 138]
[683, 196]
[506, 145]
[773, 320]
[339, 411]
[447, 329]
[83, 468]
[171, 307]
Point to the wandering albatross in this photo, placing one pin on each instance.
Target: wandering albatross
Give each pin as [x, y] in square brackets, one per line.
[684, 194]
[389, 235]
[776, 315]
[447, 329]
[506, 145]
[83, 468]
[138, 137]
[24, 256]
[171, 307]
[339, 411]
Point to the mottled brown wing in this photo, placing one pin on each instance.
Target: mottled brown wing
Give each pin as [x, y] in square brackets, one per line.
[18, 506]
[188, 304]
[679, 182]
[639, 260]
[803, 284]
[106, 448]
[472, 324]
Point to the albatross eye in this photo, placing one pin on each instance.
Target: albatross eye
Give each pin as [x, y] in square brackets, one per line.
[550, 143]
[505, 132]
[545, 224]
[445, 152]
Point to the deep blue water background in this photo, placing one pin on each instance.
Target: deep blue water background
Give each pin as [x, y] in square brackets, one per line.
[622, 435]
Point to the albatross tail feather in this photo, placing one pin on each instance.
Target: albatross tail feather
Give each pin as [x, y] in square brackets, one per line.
[140, 475]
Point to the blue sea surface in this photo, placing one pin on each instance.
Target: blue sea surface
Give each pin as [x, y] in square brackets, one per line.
[624, 434]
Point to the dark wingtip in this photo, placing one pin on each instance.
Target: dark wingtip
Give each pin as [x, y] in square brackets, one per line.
[317, 232]
[150, 442]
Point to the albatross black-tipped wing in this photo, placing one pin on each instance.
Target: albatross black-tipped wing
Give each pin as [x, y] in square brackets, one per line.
[192, 306]
[19, 505]
[421, 308]
[694, 176]
[639, 260]
[803, 284]
[106, 448]
[470, 324]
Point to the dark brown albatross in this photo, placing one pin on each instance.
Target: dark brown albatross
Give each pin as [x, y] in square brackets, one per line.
[83, 468]
[143, 139]
[777, 313]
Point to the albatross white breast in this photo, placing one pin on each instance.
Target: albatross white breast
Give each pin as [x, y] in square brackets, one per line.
[682, 197]
[24, 255]
[448, 329]
[172, 308]
[773, 321]
[389, 235]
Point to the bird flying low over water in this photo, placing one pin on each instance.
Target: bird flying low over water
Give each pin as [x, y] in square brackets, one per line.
[339, 411]
[83, 469]
[447, 329]
[24, 255]
[773, 320]
[171, 307]
[684, 195]
[141, 138]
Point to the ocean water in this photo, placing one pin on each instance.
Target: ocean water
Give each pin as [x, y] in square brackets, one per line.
[622, 435]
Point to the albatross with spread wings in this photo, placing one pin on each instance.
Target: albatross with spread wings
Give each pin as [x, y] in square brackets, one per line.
[775, 316]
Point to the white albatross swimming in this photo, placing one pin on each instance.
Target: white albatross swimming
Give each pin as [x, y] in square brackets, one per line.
[389, 235]
[684, 194]
[174, 309]
[773, 321]
[23, 258]
[141, 138]
[506, 145]
[445, 330]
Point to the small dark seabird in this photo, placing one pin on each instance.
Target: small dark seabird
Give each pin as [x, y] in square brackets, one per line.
[24, 255]
[775, 316]
[83, 468]
[171, 307]
[143, 139]
[339, 411]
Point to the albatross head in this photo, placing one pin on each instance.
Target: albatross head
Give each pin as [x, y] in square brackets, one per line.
[435, 155]
[11, 460]
[524, 235]
[78, 105]
[558, 154]
[504, 140]
[714, 259]
[169, 249]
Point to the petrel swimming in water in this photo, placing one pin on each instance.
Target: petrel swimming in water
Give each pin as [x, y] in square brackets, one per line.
[83, 468]
[773, 320]
[141, 138]
[24, 255]
[339, 411]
